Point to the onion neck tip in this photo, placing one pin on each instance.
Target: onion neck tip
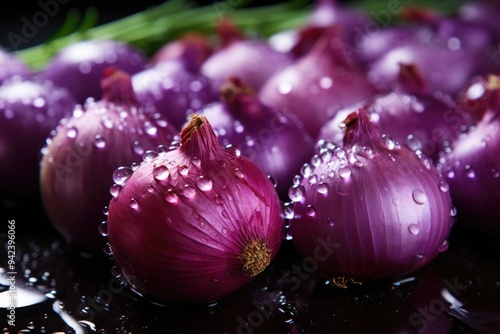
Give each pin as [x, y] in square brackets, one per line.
[255, 257]
[196, 121]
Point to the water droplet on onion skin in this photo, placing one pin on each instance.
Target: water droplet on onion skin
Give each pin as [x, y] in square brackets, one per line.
[204, 184]
[171, 197]
[419, 197]
[160, 173]
[134, 204]
[71, 132]
[330, 222]
[296, 193]
[345, 172]
[310, 211]
[114, 190]
[444, 246]
[414, 229]
[469, 172]
[121, 174]
[103, 228]
[99, 141]
[183, 170]
[443, 186]
[288, 210]
[322, 188]
[189, 191]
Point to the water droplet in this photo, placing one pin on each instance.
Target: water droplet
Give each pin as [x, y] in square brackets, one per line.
[133, 203]
[134, 165]
[149, 155]
[71, 132]
[444, 246]
[183, 170]
[322, 188]
[450, 174]
[330, 222]
[121, 174]
[453, 43]
[237, 172]
[196, 161]
[203, 183]
[315, 160]
[310, 210]
[238, 127]
[171, 197]
[114, 190]
[495, 173]
[273, 180]
[395, 201]
[443, 186]
[189, 191]
[345, 172]
[453, 212]
[108, 249]
[103, 228]
[387, 142]
[469, 172]
[414, 229]
[107, 122]
[285, 88]
[231, 149]
[288, 210]
[225, 214]
[105, 210]
[313, 179]
[99, 141]
[160, 173]
[419, 197]
[306, 170]
[296, 193]
[421, 256]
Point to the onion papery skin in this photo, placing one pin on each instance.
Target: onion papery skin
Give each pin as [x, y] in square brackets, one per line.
[317, 85]
[276, 142]
[173, 90]
[29, 111]
[11, 65]
[83, 152]
[181, 221]
[79, 66]
[472, 170]
[413, 116]
[370, 209]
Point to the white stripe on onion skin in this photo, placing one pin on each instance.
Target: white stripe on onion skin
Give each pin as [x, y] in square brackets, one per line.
[194, 223]
[379, 203]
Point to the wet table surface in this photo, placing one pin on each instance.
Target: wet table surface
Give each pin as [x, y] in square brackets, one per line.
[62, 289]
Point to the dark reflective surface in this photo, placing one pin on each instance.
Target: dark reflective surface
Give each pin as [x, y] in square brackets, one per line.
[63, 289]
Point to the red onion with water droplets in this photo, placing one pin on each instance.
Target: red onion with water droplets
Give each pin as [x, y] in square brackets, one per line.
[84, 151]
[318, 85]
[196, 223]
[472, 168]
[29, 111]
[174, 90]
[251, 59]
[79, 66]
[370, 209]
[273, 140]
[411, 115]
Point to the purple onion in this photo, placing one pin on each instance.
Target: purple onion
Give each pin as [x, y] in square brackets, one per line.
[472, 169]
[173, 90]
[79, 66]
[29, 111]
[11, 65]
[274, 141]
[84, 151]
[196, 223]
[411, 115]
[251, 59]
[318, 85]
[381, 209]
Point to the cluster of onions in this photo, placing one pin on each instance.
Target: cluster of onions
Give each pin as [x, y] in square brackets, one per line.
[85, 149]
[194, 223]
[176, 147]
